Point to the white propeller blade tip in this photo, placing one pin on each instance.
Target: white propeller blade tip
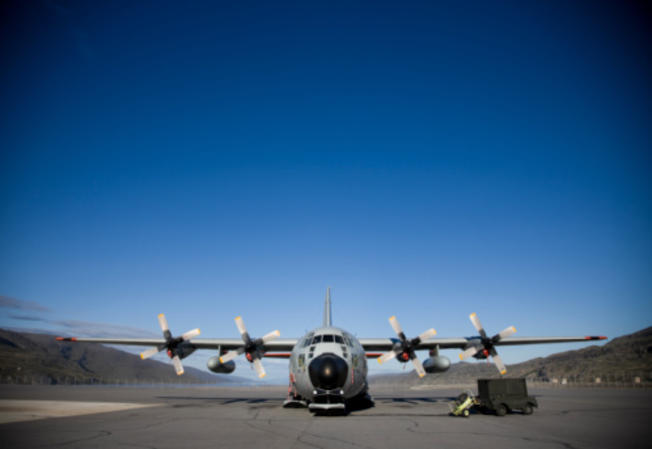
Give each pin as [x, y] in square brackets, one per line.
[427, 334]
[503, 372]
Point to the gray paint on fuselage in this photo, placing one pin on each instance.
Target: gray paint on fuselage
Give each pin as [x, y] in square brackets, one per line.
[350, 350]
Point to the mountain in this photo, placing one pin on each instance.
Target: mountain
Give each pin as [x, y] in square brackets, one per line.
[38, 358]
[622, 359]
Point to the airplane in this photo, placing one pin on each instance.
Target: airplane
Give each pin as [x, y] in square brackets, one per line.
[328, 365]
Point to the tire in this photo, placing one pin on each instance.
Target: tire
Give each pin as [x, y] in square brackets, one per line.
[466, 413]
[527, 410]
[501, 410]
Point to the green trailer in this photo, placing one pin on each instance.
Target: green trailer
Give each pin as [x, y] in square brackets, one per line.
[501, 396]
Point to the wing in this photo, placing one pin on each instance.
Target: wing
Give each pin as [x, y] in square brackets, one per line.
[386, 344]
[278, 345]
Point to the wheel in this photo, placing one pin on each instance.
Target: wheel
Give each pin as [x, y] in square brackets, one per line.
[466, 413]
[527, 410]
[463, 397]
[501, 410]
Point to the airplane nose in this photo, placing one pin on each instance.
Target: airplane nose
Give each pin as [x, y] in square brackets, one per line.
[328, 371]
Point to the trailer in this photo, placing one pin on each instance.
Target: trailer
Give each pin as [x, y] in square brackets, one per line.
[501, 396]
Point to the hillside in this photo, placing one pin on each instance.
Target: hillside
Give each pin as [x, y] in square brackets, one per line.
[38, 358]
[621, 359]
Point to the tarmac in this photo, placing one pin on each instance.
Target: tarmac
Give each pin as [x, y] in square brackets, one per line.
[241, 417]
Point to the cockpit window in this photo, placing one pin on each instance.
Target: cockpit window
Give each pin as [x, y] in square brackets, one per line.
[307, 340]
[339, 340]
[317, 339]
[328, 339]
[348, 341]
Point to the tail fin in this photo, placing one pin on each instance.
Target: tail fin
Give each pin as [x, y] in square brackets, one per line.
[327, 308]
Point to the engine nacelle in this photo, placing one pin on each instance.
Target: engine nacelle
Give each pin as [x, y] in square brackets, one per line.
[184, 350]
[215, 366]
[436, 364]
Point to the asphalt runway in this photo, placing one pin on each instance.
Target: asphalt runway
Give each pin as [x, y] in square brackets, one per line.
[238, 417]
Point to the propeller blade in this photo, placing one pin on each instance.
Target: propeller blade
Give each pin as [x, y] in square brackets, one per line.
[241, 327]
[499, 363]
[163, 322]
[395, 325]
[258, 366]
[470, 352]
[190, 334]
[386, 356]
[507, 332]
[271, 336]
[149, 353]
[427, 334]
[178, 367]
[418, 366]
[231, 355]
[476, 322]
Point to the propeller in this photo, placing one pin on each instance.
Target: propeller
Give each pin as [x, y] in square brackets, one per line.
[171, 344]
[487, 349]
[404, 348]
[253, 349]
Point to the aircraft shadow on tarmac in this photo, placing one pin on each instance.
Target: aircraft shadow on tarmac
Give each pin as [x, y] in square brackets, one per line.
[403, 403]
[232, 400]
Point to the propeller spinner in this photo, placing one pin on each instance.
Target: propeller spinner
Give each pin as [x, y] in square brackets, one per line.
[487, 349]
[171, 344]
[253, 349]
[404, 348]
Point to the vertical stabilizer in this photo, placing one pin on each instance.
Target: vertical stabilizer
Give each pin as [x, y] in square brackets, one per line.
[327, 308]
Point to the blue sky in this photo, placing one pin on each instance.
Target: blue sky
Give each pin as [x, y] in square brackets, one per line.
[424, 159]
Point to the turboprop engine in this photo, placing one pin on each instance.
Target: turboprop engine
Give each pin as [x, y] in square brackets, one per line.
[436, 364]
[216, 366]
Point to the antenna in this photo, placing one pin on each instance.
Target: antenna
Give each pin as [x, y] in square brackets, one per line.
[327, 308]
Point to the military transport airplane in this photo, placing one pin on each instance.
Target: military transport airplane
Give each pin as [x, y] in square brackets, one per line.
[328, 366]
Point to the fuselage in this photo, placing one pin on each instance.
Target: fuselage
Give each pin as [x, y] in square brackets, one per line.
[328, 359]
